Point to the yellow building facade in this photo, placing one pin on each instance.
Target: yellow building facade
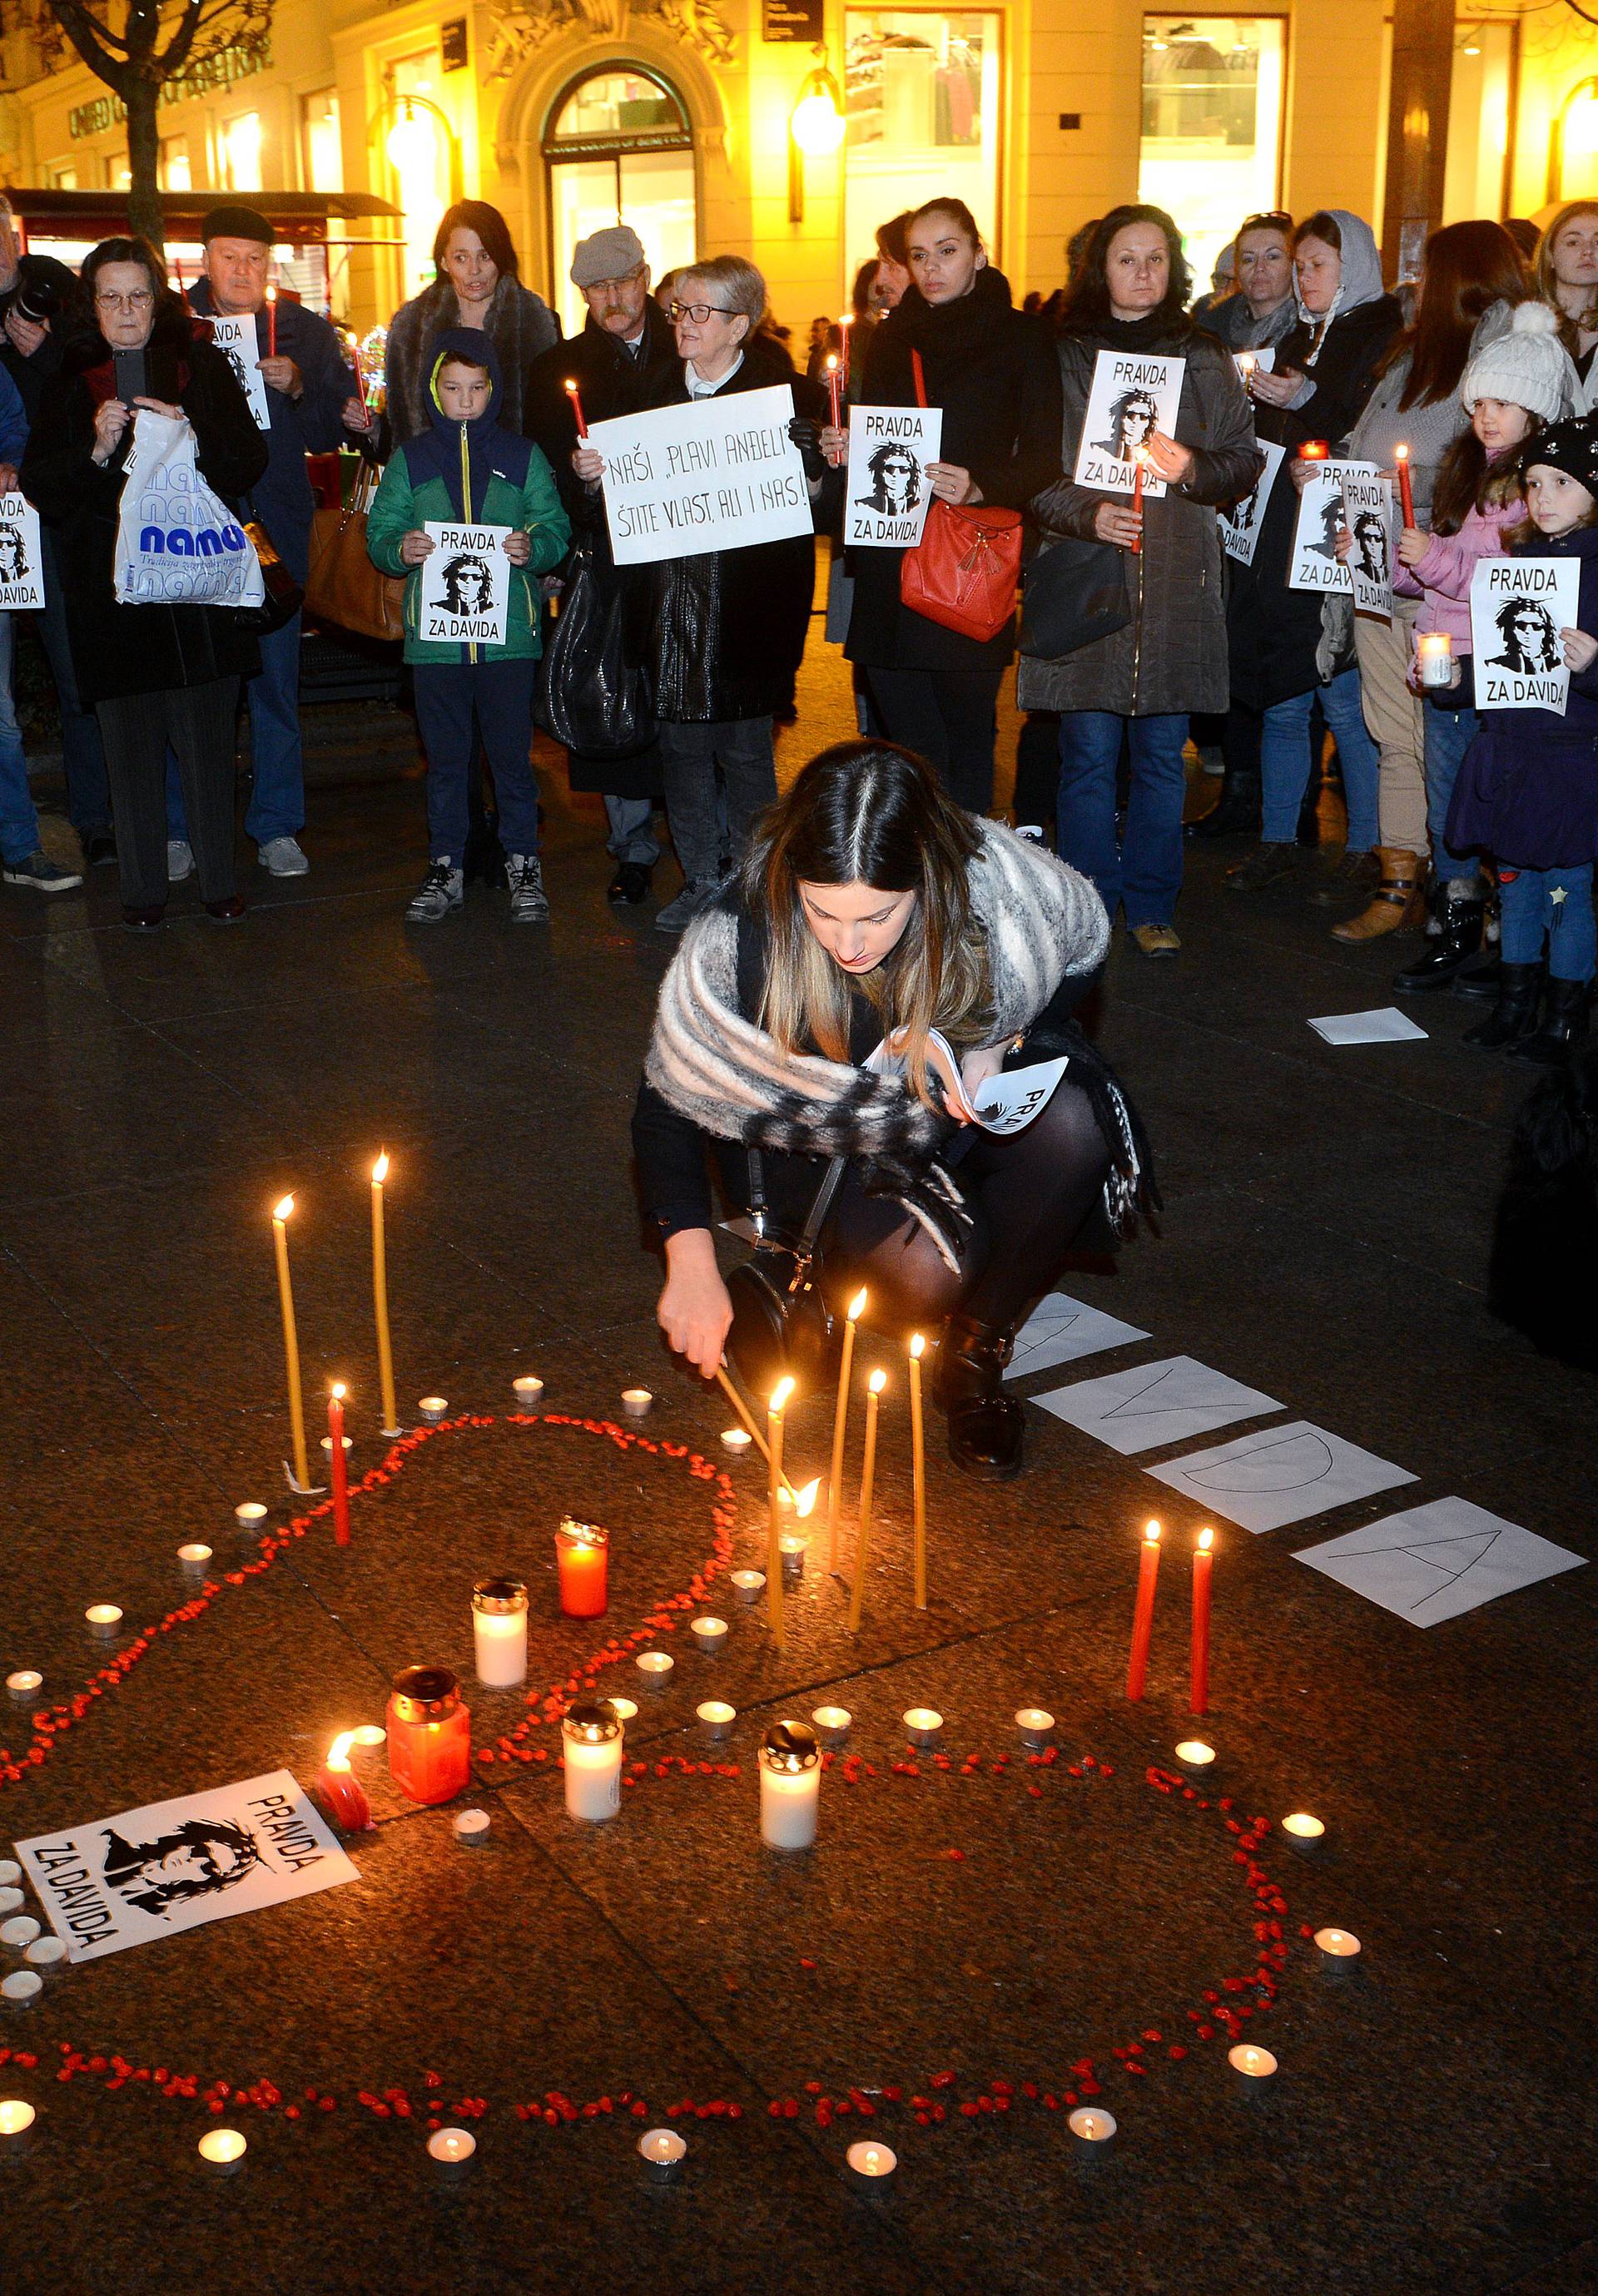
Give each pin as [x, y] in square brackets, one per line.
[680, 115]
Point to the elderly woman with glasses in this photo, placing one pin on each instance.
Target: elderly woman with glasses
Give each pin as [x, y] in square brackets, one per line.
[153, 675]
[725, 630]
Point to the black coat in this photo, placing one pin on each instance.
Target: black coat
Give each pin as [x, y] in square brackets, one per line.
[994, 373]
[1274, 633]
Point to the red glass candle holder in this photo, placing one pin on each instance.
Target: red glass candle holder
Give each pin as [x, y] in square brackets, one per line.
[429, 1734]
[583, 1555]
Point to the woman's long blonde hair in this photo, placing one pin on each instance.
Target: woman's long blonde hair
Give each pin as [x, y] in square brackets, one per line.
[865, 813]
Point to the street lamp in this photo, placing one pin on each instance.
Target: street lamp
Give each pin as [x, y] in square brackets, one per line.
[815, 128]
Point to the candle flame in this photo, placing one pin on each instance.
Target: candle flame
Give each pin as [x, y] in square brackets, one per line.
[918, 1347]
[846, 318]
[832, 362]
[1400, 453]
[338, 1391]
[877, 1382]
[337, 1753]
[1151, 1531]
[805, 1500]
[380, 1170]
[779, 1394]
[1206, 1541]
[281, 1211]
[856, 1306]
[272, 294]
[570, 384]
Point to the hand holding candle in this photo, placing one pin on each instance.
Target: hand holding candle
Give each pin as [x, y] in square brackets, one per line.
[1143, 1612]
[1202, 1558]
[339, 1471]
[571, 389]
[868, 1474]
[852, 1314]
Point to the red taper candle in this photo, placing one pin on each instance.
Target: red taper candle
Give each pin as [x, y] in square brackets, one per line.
[1138, 471]
[833, 389]
[1202, 1559]
[1405, 490]
[571, 389]
[1143, 1612]
[271, 323]
[340, 1476]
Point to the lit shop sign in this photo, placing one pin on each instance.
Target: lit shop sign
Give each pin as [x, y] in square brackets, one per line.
[220, 70]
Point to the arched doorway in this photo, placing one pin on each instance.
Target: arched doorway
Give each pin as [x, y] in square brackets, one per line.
[618, 148]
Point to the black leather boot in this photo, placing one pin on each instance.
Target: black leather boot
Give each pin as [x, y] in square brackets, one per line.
[1236, 812]
[1479, 977]
[987, 1427]
[1447, 951]
[1564, 1026]
[1514, 1012]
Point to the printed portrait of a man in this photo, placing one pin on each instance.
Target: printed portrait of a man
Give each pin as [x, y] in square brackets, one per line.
[1132, 417]
[1531, 646]
[199, 1858]
[895, 475]
[1370, 547]
[469, 586]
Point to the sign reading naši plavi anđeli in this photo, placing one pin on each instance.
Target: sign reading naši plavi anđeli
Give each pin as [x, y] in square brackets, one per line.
[718, 473]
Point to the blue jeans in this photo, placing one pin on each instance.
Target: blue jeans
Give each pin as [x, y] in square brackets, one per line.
[277, 792]
[1558, 902]
[1284, 760]
[1142, 869]
[1449, 734]
[499, 695]
[19, 821]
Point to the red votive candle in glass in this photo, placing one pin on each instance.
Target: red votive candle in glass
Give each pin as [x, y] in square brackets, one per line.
[340, 1792]
[583, 1555]
[429, 1734]
[1314, 450]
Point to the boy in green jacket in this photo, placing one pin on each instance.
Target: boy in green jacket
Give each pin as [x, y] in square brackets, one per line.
[466, 472]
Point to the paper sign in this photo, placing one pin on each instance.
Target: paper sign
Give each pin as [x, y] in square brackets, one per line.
[720, 474]
[236, 340]
[465, 585]
[1518, 608]
[1368, 515]
[1240, 522]
[1433, 1563]
[1281, 1474]
[1384, 1026]
[149, 1872]
[1155, 1403]
[1315, 564]
[1130, 396]
[887, 494]
[1061, 1329]
[1008, 1103]
[21, 575]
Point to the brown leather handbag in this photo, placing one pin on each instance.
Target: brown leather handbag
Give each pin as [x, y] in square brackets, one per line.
[963, 572]
[344, 587]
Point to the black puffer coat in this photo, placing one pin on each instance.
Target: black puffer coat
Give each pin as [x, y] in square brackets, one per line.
[122, 650]
[993, 371]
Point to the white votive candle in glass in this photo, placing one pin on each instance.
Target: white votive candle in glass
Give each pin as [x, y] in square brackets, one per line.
[790, 1786]
[222, 2150]
[716, 1720]
[750, 1585]
[20, 1930]
[22, 1989]
[654, 1667]
[45, 1952]
[871, 2160]
[922, 1725]
[635, 1402]
[831, 1723]
[661, 2151]
[1305, 1834]
[1194, 1756]
[1254, 2068]
[1093, 2132]
[104, 1619]
[1036, 1724]
[591, 1740]
[433, 1408]
[471, 1827]
[16, 2119]
[451, 2151]
[1436, 648]
[24, 1686]
[736, 1439]
[1339, 1951]
[250, 1519]
[529, 1392]
[709, 1634]
[499, 1632]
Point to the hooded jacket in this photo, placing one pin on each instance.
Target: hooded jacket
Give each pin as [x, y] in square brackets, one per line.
[471, 473]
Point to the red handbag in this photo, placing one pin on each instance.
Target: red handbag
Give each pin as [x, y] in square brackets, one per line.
[963, 572]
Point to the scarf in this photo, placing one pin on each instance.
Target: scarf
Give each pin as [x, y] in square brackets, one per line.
[708, 1060]
[1360, 283]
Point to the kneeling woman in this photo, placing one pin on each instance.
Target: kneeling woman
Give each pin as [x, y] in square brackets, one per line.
[870, 903]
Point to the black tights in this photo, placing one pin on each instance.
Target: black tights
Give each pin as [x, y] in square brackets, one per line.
[1029, 1196]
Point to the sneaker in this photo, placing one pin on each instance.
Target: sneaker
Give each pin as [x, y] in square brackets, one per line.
[629, 884]
[529, 903]
[1156, 940]
[281, 857]
[43, 874]
[180, 860]
[442, 889]
[678, 915]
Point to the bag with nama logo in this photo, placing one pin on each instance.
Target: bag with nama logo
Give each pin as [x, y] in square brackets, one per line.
[178, 542]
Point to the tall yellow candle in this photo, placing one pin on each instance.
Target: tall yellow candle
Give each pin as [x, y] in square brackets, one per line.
[773, 1551]
[868, 1475]
[280, 1239]
[379, 1295]
[840, 1420]
[918, 1470]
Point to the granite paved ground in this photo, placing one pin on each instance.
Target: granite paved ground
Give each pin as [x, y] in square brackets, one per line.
[1324, 1240]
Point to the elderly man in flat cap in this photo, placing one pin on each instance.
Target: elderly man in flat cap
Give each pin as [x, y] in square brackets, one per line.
[624, 354]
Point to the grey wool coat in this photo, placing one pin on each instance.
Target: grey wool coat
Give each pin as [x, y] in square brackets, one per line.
[1171, 658]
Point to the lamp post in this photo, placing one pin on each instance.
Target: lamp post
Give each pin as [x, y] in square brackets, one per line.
[815, 129]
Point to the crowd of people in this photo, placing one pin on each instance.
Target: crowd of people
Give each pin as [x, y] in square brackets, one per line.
[1480, 828]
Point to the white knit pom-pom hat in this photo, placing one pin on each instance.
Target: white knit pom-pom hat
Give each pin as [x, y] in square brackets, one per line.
[1527, 366]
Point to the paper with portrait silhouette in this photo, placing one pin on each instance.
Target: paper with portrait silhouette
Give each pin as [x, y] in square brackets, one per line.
[21, 576]
[465, 585]
[1368, 515]
[240, 345]
[1315, 564]
[1518, 608]
[1239, 521]
[1130, 396]
[887, 494]
[147, 1873]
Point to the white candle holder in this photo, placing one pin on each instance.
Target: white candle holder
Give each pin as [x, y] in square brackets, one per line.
[662, 2151]
[433, 1409]
[529, 1392]
[499, 1632]
[20, 1989]
[793, 1548]
[1036, 1724]
[750, 1585]
[1304, 1833]
[922, 1725]
[11, 1900]
[46, 1953]
[790, 1786]
[831, 1723]
[591, 1741]
[451, 2151]
[624, 1709]
[736, 1439]
[24, 1687]
[10, 1872]
[20, 1930]
[716, 1720]
[19, 2124]
[471, 1827]
[709, 1635]
[1253, 2071]
[1093, 2133]
[635, 1402]
[1340, 1953]
[193, 1557]
[103, 1620]
[655, 1668]
[250, 1519]
[222, 2151]
[1195, 1756]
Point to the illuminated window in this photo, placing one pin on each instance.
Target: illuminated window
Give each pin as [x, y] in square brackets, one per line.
[619, 149]
[1212, 125]
[921, 96]
[417, 145]
[64, 179]
[175, 175]
[241, 152]
[321, 146]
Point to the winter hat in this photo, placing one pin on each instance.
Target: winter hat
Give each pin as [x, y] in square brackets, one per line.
[1569, 447]
[609, 254]
[1527, 366]
[236, 221]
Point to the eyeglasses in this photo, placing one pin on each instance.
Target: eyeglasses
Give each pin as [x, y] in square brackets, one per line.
[139, 300]
[699, 312]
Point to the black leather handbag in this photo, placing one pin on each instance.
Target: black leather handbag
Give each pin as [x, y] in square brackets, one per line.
[592, 693]
[782, 1327]
[1074, 593]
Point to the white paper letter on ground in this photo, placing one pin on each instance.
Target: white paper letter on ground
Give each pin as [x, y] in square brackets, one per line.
[1281, 1474]
[1155, 1403]
[1061, 1329]
[1432, 1562]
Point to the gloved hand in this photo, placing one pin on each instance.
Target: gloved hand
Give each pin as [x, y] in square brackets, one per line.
[805, 436]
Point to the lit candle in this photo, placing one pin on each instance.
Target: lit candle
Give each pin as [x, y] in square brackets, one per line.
[529, 1392]
[471, 1827]
[831, 1723]
[285, 1293]
[360, 376]
[635, 1402]
[103, 1617]
[1314, 450]
[1254, 2068]
[429, 1734]
[709, 1634]
[1339, 1951]
[499, 1632]
[918, 1470]
[193, 1558]
[370, 1735]
[1436, 658]
[790, 1786]
[840, 1414]
[736, 1439]
[834, 387]
[591, 1740]
[1138, 461]
[582, 1555]
[715, 1719]
[1305, 1834]
[655, 1668]
[20, 1930]
[340, 1471]
[1246, 364]
[872, 2161]
[1093, 2132]
[1143, 1610]
[433, 1409]
[661, 2151]
[24, 1686]
[271, 323]
[16, 2119]
[1405, 488]
[340, 1792]
[571, 389]
[222, 2150]
[1036, 1724]
[922, 1725]
[749, 1583]
[22, 1989]
[624, 1709]
[380, 1276]
[795, 1546]
[1194, 1755]
[868, 1476]
[773, 1551]
[451, 2151]
[249, 1517]
[1202, 1559]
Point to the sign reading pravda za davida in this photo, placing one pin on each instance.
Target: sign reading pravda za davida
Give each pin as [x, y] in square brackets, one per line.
[719, 473]
[149, 1872]
[1518, 606]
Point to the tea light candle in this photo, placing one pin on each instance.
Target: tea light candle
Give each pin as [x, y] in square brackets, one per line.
[499, 1632]
[369, 1734]
[1253, 2067]
[736, 1439]
[1339, 1950]
[104, 1619]
[793, 1547]
[661, 2151]
[222, 2150]
[24, 1686]
[327, 1444]
[635, 1402]
[529, 1392]
[16, 2119]
[471, 1827]
[655, 1667]
[591, 1739]
[22, 1929]
[1036, 1724]
[1194, 1755]
[1305, 1834]
[831, 1723]
[45, 1952]
[923, 1724]
[251, 1518]
[451, 2151]
[432, 1408]
[709, 1634]
[22, 1989]
[790, 1786]
[872, 2159]
[750, 1585]
[1093, 2132]
[716, 1720]
[624, 1707]
[582, 1556]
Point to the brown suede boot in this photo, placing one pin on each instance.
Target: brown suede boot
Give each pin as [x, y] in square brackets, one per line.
[1398, 900]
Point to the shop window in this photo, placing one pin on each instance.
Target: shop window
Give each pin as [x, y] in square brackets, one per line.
[322, 150]
[618, 149]
[922, 99]
[1212, 125]
[241, 152]
[174, 175]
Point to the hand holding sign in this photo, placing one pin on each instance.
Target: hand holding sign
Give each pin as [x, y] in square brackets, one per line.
[465, 585]
[892, 452]
[1520, 610]
[1133, 401]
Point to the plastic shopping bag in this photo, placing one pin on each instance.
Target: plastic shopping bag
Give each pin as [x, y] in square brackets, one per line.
[178, 542]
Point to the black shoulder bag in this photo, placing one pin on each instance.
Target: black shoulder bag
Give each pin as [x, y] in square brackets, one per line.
[782, 1327]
